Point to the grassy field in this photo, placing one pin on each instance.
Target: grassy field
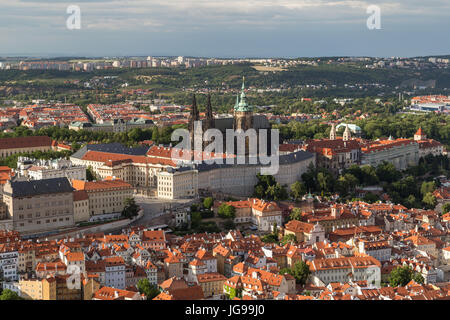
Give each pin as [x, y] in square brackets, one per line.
[268, 69]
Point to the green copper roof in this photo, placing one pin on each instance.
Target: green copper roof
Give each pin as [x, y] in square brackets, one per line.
[242, 105]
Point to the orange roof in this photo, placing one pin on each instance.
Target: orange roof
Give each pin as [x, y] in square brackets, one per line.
[79, 195]
[75, 256]
[299, 226]
[25, 142]
[100, 185]
[106, 158]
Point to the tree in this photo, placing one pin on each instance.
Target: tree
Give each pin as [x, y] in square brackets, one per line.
[289, 238]
[268, 188]
[296, 214]
[229, 224]
[430, 200]
[370, 197]
[446, 208]
[196, 218]
[427, 187]
[90, 174]
[226, 211]
[300, 272]
[148, 289]
[8, 294]
[298, 189]
[352, 181]
[418, 278]
[342, 186]
[369, 176]
[208, 202]
[130, 209]
[386, 172]
[400, 276]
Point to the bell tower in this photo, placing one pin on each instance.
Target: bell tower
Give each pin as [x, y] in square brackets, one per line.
[347, 136]
[333, 132]
[243, 115]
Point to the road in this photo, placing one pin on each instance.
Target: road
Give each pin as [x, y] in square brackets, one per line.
[154, 209]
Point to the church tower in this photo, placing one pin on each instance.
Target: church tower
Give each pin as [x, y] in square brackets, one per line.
[243, 115]
[419, 135]
[209, 123]
[333, 132]
[347, 136]
[194, 116]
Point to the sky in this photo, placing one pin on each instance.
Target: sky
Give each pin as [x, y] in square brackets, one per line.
[225, 28]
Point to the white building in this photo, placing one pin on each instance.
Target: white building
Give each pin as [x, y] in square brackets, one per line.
[47, 169]
[400, 152]
[8, 265]
[177, 183]
[115, 272]
[325, 271]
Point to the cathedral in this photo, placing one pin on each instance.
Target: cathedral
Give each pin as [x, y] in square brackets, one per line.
[243, 118]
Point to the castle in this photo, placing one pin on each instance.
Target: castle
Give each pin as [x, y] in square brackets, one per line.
[243, 118]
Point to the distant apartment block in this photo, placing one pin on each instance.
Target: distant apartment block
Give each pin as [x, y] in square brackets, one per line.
[115, 125]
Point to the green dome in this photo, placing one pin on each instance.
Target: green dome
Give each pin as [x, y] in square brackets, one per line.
[242, 105]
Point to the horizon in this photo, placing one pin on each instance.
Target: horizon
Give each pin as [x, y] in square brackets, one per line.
[130, 56]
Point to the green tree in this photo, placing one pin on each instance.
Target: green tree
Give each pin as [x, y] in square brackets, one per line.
[300, 272]
[418, 278]
[229, 224]
[386, 172]
[369, 176]
[400, 276]
[196, 218]
[427, 187]
[130, 209]
[208, 202]
[289, 238]
[90, 174]
[298, 190]
[144, 287]
[8, 294]
[296, 214]
[430, 200]
[226, 211]
[370, 197]
[446, 208]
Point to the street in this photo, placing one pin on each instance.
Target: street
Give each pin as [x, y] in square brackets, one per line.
[154, 209]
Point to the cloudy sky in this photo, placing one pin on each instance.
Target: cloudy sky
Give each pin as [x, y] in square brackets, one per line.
[225, 28]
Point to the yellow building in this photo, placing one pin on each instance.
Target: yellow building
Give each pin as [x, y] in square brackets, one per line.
[211, 283]
[58, 288]
[105, 196]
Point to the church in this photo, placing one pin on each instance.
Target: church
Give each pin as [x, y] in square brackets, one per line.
[243, 118]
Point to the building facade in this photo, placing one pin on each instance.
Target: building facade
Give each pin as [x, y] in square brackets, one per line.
[39, 205]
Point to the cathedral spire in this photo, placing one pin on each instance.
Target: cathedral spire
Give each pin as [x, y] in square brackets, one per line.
[242, 104]
[193, 116]
[209, 114]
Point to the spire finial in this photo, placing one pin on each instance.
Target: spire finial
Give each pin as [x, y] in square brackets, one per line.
[243, 82]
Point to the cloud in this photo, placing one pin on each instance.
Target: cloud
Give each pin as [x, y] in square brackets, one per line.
[137, 19]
